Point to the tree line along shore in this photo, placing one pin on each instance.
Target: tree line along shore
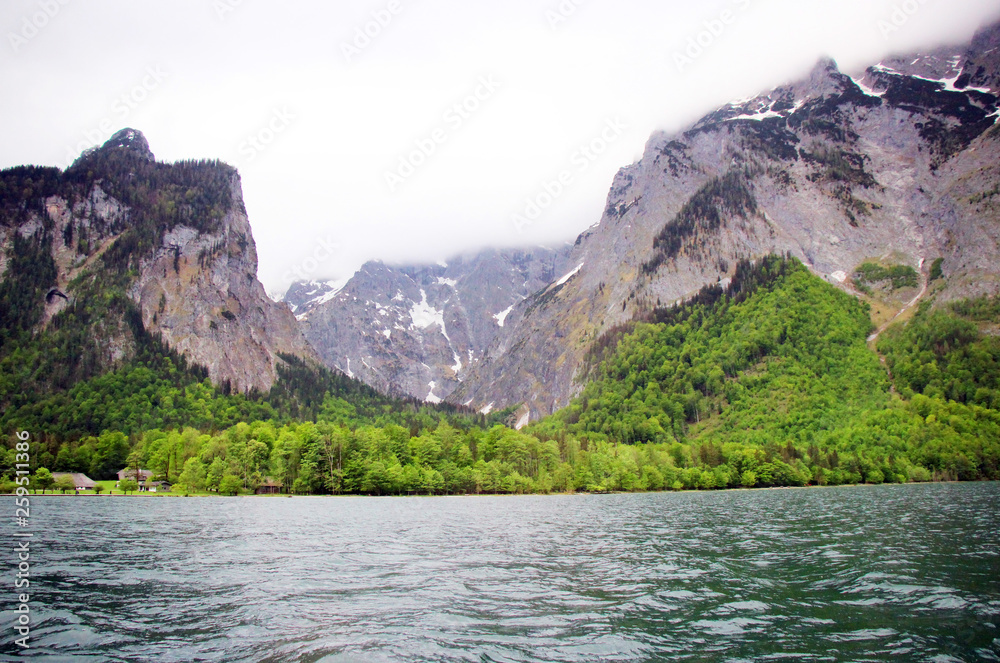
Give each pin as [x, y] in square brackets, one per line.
[769, 382]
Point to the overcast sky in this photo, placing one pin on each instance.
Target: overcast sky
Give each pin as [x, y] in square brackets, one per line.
[426, 136]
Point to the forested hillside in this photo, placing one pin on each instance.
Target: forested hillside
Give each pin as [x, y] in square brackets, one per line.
[116, 276]
[118, 255]
[768, 382]
[134, 330]
[74, 344]
[863, 176]
[771, 383]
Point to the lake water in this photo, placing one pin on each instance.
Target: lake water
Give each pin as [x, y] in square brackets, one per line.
[843, 574]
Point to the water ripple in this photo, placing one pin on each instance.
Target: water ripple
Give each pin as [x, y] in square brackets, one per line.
[859, 574]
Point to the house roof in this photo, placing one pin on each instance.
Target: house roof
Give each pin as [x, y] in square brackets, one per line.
[80, 480]
[129, 472]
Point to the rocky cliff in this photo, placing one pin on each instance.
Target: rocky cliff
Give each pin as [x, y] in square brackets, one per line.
[175, 239]
[419, 330]
[898, 163]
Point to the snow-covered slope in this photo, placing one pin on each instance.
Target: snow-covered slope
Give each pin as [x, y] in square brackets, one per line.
[418, 330]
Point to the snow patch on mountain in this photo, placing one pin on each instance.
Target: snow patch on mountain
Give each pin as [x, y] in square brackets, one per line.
[422, 323]
[424, 315]
[566, 278]
[335, 288]
[303, 298]
[767, 112]
[947, 83]
[866, 89]
[501, 317]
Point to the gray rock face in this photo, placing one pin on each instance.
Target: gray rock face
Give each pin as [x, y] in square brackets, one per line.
[131, 140]
[304, 296]
[212, 308]
[901, 161]
[198, 290]
[418, 330]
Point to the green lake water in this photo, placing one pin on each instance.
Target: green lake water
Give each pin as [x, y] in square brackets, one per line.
[907, 573]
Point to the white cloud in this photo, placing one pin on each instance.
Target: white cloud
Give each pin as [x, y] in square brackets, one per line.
[323, 175]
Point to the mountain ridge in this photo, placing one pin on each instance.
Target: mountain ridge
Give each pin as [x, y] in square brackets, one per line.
[417, 329]
[171, 240]
[832, 170]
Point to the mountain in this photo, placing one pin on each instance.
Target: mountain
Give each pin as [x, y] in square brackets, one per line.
[303, 296]
[893, 169]
[120, 251]
[418, 330]
[770, 380]
[688, 353]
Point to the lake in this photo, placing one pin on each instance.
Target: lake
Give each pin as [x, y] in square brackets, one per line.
[837, 574]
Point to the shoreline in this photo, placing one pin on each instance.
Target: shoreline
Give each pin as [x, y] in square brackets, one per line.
[573, 494]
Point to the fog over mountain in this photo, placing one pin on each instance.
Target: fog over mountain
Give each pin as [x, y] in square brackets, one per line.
[895, 163]
[427, 136]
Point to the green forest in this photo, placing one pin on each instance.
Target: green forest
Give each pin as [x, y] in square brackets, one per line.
[772, 384]
[769, 382]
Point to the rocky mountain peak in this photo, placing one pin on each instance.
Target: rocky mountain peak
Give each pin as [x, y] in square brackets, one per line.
[129, 143]
[120, 227]
[825, 78]
[418, 329]
[896, 163]
[131, 140]
[825, 86]
[987, 38]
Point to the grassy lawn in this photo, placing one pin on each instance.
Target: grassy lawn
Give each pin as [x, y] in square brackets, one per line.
[111, 490]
